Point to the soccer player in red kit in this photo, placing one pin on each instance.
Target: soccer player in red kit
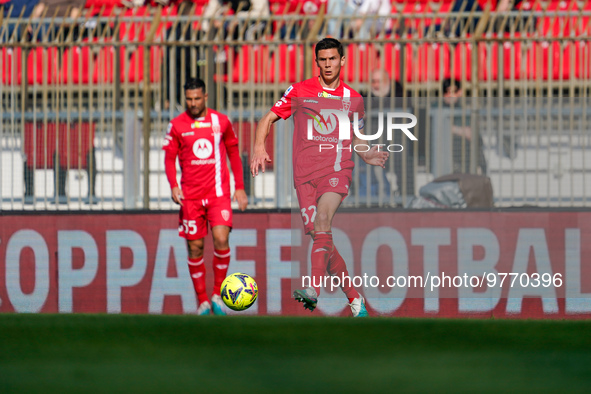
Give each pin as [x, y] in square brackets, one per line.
[322, 162]
[201, 138]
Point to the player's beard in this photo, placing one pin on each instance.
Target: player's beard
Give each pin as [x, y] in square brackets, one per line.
[195, 112]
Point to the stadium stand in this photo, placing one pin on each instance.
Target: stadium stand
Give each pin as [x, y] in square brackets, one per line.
[100, 70]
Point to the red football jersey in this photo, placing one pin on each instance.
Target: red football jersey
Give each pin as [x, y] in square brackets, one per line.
[317, 148]
[201, 145]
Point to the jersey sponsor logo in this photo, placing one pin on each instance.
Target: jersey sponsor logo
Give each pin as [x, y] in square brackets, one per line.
[167, 140]
[202, 162]
[322, 125]
[202, 148]
[311, 101]
[187, 134]
[333, 182]
[324, 94]
[226, 214]
[200, 125]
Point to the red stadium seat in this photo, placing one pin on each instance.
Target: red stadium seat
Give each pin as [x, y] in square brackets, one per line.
[102, 7]
[582, 64]
[43, 66]
[251, 64]
[134, 31]
[545, 61]
[104, 66]
[10, 66]
[429, 63]
[461, 68]
[559, 26]
[391, 60]
[512, 61]
[357, 63]
[135, 66]
[245, 132]
[76, 71]
[74, 142]
[290, 64]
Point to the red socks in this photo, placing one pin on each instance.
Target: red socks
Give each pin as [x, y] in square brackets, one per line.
[337, 267]
[197, 271]
[221, 260]
[320, 251]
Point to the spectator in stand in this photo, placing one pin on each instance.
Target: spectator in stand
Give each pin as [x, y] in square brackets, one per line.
[358, 18]
[502, 25]
[461, 130]
[381, 84]
[389, 181]
[16, 9]
[466, 6]
[250, 9]
[306, 8]
[59, 9]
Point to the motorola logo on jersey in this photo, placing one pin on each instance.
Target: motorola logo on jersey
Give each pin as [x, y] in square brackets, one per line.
[325, 126]
[202, 148]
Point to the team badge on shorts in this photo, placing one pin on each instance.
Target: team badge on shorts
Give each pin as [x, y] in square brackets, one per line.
[333, 182]
[225, 214]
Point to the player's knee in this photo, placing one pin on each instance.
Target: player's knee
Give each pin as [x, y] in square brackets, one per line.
[195, 251]
[220, 242]
[321, 222]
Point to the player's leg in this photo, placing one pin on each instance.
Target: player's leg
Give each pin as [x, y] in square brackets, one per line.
[197, 271]
[219, 215]
[193, 228]
[322, 246]
[221, 261]
[334, 186]
[337, 267]
[328, 203]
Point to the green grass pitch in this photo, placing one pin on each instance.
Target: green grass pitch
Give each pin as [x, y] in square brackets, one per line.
[129, 353]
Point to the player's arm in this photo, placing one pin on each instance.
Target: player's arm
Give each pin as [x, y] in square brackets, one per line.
[260, 155]
[374, 156]
[171, 148]
[170, 169]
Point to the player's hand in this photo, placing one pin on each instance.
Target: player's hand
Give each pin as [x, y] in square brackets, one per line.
[177, 195]
[258, 161]
[375, 157]
[240, 196]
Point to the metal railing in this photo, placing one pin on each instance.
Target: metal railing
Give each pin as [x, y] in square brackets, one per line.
[85, 101]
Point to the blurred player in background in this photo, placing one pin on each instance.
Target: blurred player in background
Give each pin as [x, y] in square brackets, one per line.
[322, 177]
[201, 138]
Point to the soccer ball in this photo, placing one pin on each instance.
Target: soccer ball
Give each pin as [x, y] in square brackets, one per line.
[239, 291]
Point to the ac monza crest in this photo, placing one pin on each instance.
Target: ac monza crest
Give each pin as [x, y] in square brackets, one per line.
[333, 182]
[225, 214]
[346, 105]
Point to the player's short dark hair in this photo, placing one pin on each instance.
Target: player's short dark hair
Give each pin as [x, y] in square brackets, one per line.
[194, 83]
[329, 43]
